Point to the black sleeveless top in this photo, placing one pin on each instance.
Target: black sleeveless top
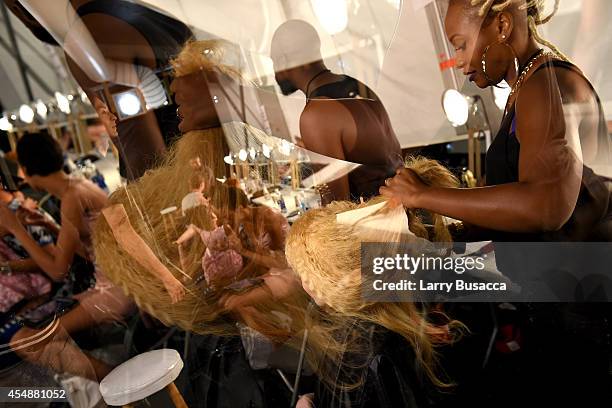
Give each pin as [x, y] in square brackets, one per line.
[365, 180]
[591, 219]
[347, 88]
[165, 35]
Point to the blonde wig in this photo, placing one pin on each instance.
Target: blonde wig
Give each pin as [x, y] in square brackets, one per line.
[203, 55]
[146, 202]
[326, 255]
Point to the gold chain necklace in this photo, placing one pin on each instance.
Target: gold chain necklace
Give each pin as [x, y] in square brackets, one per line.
[524, 73]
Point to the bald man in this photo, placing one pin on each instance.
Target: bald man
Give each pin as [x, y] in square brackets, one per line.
[343, 118]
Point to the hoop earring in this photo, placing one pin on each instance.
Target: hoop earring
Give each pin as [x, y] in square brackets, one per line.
[494, 78]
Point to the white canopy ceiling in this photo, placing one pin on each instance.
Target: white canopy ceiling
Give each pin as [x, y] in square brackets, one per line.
[389, 49]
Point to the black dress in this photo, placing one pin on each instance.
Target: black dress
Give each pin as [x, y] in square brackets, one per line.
[567, 344]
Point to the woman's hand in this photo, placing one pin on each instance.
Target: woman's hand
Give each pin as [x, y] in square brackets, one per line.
[190, 231]
[233, 240]
[9, 220]
[232, 302]
[175, 289]
[282, 283]
[406, 188]
[31, 217]
[306, 401]
[279, 285]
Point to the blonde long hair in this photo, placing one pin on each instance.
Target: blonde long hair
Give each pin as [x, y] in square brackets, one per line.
[327, 257]
[143, 200]
[164, 187]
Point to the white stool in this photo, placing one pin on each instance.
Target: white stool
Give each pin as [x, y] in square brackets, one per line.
[143, 376]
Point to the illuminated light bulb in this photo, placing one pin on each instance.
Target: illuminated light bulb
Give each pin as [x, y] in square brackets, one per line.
[266, 150]
[456, 107]
[26, 114]
[501, 94]
[242, 155]
[332, 14]
[5, 124]
[41, 109]
[129, 104]
[84, 97]
[62, 102]
[285, 147]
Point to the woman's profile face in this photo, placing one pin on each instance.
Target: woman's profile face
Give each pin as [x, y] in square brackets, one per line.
[196, 109]
[470, 37]
[108, 119]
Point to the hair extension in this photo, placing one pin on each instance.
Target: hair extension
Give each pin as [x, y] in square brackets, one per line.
[534, 17]
[431, 173]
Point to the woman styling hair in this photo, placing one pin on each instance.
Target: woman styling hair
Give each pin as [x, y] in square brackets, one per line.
[540, 183]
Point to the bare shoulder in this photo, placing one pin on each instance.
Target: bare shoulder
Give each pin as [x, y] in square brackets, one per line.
[539, 100]
[543, 97]
[574, 86]
[550, 83]
[323, 112]
[84, 195]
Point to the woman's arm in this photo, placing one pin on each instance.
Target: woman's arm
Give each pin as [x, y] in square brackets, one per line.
[31, 217]
[550, 172]
[274, 259]
[129, 240]
[24, 266]
[277, 226]
[189, 233]
[279, 285]
[28, 265]
[54, 263]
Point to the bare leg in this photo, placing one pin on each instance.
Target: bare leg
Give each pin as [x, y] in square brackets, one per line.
[58, 351]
